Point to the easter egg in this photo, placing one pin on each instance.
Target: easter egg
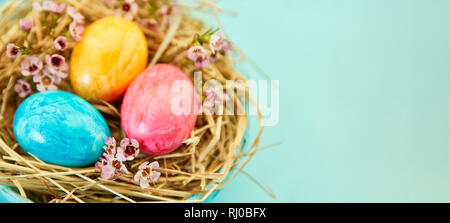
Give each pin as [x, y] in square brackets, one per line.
[159, 109]
[60, 128]
[112, 52]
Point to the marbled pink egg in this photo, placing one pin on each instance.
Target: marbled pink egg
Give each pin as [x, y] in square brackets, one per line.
[159, 109]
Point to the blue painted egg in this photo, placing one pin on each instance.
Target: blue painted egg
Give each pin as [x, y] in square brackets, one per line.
[60, 128]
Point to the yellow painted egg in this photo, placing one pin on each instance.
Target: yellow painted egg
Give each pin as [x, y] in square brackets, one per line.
[112, 52]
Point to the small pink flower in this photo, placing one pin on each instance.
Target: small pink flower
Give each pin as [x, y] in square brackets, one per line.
[217, 94]
[76, 30]
[198, 55]
[57, 65]
[22, 88]
[37, 6]
[119, 167]
[46, 81]
[150, 24]
[60, 8]
[56, 61]
[32, 66]
[214, 98]
[128, 9]
[107, 169]
[212, 58]
[26, 24]
[128, 149]
[110, 148]
[168, 13]
[60, 43]
[76, 27]
[12, 50]
[111, 167]
[195, 53]
[49, 6]
[111, 141]
[226, 46]
[218, 44]
[215, 42]
[77, 17]
[146, 173]
[100, 163]
[207, 105]
[202, 64]
[110, 3]
[52, 6]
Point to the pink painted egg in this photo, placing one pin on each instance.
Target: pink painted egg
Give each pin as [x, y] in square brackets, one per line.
[159, 109]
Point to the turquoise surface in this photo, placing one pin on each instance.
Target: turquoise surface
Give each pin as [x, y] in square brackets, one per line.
[364, 108]
[60, 128]
[7, 195]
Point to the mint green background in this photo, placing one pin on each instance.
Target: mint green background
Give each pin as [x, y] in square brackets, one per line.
[364, 110]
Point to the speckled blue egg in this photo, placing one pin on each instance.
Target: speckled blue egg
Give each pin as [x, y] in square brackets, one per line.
[60, 128]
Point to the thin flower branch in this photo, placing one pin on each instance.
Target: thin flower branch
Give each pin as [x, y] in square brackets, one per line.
[214, 39]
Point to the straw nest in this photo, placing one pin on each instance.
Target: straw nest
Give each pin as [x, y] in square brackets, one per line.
[201, 166]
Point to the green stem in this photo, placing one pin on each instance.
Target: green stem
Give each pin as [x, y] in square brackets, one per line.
[54, 19]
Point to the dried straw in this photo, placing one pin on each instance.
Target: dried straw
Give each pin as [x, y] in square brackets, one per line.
[199, 167]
